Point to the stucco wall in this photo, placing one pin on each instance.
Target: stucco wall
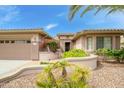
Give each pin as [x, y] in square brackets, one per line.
[15, 36]
[81, 42]
[65, 37]
[89, 61]
[46, 56]
[118, 42]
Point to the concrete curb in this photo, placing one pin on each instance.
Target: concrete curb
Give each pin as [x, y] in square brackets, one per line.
[8, 76]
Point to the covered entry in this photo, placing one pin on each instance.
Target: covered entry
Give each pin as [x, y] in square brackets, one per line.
[67, 46]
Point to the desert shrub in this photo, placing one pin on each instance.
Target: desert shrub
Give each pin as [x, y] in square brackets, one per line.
[53, 46]
[57, 76]
[74, 53]
[122, 54]
[117, 54]
[104, 52]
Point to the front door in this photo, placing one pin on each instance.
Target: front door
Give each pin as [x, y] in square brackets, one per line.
[67, 46]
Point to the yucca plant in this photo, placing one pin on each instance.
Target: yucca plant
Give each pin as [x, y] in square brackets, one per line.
[50, 76]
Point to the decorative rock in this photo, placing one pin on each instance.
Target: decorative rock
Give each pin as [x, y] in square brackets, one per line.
[107, 75]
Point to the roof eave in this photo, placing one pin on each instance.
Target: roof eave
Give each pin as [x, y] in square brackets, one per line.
[97, 32]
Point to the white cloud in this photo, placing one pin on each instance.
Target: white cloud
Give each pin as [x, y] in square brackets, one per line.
[50, 26]
[61, 14]
[8, 14]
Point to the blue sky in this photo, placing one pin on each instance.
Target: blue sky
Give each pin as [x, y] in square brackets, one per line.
[54, 19]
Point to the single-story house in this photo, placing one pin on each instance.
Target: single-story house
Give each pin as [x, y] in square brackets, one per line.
[90, 40]
[30, 44]
[23, 44]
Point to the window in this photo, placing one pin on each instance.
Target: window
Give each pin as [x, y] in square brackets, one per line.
[6, 41]
[89, 43]
[100, 42]
[107, 42]
[104, 42]
[20, 41]
[28, 41]
[12, 41]
[1, 41]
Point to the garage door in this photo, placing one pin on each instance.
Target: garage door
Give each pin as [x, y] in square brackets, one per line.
[15, 50]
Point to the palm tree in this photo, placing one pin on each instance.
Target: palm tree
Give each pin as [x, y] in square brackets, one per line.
[85, 9]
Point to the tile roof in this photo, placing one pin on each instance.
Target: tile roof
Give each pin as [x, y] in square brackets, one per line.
[98, 31]
[103, 30]
[20, 30]
[11, 31]
[68, 34]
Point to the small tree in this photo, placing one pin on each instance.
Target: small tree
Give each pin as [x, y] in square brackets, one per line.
[53, 46]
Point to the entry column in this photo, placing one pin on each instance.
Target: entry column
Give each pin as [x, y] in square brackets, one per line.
[113, 42]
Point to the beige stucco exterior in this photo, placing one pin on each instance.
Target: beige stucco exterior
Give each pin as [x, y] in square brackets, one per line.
[122, 41]
[81, 42]
[25, 46]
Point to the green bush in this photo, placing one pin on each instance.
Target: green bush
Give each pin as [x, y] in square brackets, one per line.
[102, 51]
[122, 54]
[53, 46]
[74, 53]
[117, 54]
[56, 76]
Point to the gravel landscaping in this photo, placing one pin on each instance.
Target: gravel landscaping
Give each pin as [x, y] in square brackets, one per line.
[107, 75]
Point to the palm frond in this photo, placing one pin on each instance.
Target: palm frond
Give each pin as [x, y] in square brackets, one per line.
[109, 8]
[73, 10]
[87, 9]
